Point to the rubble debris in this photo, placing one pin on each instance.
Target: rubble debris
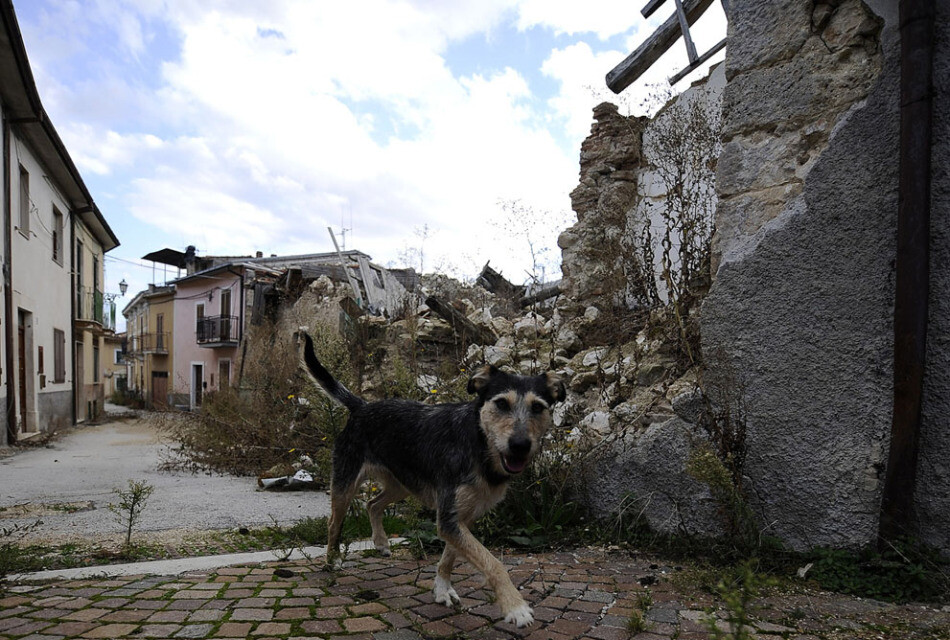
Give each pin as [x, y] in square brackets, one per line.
[462, 326]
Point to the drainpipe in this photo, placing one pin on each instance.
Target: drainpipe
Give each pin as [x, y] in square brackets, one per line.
[8, 360]
[69, 349]
[912, 265]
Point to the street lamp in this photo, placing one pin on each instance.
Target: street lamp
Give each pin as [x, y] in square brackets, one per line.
[123, 287]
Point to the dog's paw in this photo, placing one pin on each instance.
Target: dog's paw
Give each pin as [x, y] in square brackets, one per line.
[443, 592]
[384, 549]
[520, 616]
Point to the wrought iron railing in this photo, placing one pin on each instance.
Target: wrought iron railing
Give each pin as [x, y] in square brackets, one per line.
[148, 343]
[217, 330]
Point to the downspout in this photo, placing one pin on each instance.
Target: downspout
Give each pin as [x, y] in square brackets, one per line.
[73, 312]
[8, 361]
[912, 265]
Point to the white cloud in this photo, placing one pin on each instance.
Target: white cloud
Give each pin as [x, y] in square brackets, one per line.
[605, 18]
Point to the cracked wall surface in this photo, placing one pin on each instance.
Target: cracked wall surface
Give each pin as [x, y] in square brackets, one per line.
[802, 299]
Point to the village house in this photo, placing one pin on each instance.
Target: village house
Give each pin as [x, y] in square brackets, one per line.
[149, 323]
[52, 323]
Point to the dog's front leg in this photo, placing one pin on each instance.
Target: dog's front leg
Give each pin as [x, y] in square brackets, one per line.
[458, 536]
[443, 591]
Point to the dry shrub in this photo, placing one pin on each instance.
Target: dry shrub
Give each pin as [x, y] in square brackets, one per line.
[274, 417]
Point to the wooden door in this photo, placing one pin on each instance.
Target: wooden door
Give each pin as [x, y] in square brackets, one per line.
[160, 390]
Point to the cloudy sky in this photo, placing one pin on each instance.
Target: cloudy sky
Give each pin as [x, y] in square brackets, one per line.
[240, 126]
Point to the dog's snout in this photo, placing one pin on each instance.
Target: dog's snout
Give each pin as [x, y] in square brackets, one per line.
[519, 445]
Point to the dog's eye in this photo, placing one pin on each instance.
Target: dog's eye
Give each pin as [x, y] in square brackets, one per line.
[502, 404]
[538, 408]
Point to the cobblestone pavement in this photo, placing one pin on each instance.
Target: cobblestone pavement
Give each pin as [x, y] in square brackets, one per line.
[584, 594]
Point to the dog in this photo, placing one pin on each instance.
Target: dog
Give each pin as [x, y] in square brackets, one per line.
[456, 458]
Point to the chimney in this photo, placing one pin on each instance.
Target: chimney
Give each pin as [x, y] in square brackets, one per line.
[190, 259]
[260, 254]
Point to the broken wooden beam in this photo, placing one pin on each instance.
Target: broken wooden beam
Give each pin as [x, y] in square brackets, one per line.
[462, 326]
[541, 296]
[634, 65]
[496, 283]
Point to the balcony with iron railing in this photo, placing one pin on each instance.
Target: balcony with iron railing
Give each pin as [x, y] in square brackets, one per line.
[217, 331]
[92, 306]
[141, 343]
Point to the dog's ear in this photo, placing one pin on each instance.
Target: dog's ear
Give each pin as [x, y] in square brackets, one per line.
[481, 378]
[555, 386]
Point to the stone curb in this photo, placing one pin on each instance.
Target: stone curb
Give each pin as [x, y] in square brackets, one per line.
[178, 566]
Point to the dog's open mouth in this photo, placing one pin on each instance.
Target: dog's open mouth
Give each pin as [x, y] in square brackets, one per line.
[513, 464]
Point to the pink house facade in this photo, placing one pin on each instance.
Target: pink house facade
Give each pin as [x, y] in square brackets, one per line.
[209, 327]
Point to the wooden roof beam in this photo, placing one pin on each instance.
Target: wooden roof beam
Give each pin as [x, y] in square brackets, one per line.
[634, 65]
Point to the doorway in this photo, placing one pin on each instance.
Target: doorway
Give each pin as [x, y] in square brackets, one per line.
[197, 384]
[26, 391]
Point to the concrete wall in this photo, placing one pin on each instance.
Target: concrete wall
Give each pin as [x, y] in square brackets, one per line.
[803, 295]
[42, 289]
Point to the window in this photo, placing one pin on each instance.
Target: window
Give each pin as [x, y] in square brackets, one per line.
[160, 332]
[225, 302]
[57, 236]
[40, 368]
[95, 363]
[117, 357]
[24, 202]
[59, 356]
[79, 292]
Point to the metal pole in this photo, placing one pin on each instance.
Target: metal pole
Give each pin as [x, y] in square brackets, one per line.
[912, 282]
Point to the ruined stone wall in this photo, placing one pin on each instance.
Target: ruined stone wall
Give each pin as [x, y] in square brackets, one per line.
[803, 292]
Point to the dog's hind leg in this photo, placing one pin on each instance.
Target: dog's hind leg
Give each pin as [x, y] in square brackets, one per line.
[392, 492]
[342, 490]
[442, 590]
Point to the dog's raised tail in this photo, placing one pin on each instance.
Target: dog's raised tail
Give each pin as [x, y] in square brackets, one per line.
[325, 379]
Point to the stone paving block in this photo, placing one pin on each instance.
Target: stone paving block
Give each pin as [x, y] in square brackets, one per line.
[234, 630]
[186, 605]
[569, 627]
[84, 615]
[126, 615]
[438, 628]
[402, 634]
[329, 612]
[110, 631]
[168, 616]
[12, 623]
[148, 604]
[272, 629]
[194, 631]
[29, 626]
[157, 630]
[363, 624]
[259, 615]
[40, 614]
[321, 626]
[253, 603]
[432, 611]
[396, 620]
[547, 634]
[206, 615]
[466, 621]
[292, 613]
[367, 609]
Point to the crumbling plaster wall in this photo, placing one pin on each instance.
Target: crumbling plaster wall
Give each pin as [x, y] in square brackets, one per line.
[803, 291]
